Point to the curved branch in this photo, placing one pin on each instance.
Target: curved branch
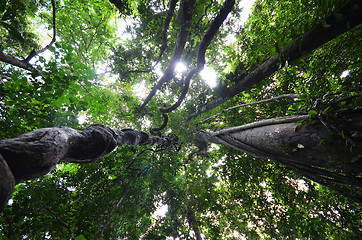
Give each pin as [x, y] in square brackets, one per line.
[205, 42]
[184, 16]
[156, 130]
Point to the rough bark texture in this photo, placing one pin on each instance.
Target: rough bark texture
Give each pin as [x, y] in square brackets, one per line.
[7, 183]
[318, 149]
[36, 153]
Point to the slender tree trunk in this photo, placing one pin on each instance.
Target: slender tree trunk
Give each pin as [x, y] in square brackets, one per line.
[193, 224]
[326, 150]
[36, 153]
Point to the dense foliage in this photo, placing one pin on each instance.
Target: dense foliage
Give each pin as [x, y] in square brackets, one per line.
[102, 61]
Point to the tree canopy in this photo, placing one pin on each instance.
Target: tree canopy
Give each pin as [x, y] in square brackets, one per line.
[175, 69]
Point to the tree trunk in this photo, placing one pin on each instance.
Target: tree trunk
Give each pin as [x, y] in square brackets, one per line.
[36, 153]
[193, 224]
[340, 22]
[326, 150]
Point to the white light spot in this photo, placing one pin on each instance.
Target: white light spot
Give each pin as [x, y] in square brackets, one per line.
[300, 145]
[160, 211]
[345, 73]
[180, 67]
[82, 118]
[158, 71]
[246, 5]
[71, 189]
[140, 90]
[230, 39]
[209, 76]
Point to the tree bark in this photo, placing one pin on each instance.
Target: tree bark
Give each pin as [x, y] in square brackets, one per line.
[36, 153]
[317, 149]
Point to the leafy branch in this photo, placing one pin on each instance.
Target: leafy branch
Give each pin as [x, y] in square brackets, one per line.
[311, 40]
[61, 222]
[24, 64]
[34, 52]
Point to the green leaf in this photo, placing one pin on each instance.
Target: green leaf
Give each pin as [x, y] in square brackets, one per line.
[3, 6]
[7, 15]
[312, 112]
[80, 237]
[13, 32]
[176, 24]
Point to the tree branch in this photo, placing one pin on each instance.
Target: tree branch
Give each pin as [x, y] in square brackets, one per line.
[34, 53]
[168, 19]
[205, 42]
[292, 96]
[110, 217]
[16, 62]
[184, 17]
[191, 218]
[315, 38]
[58, 219]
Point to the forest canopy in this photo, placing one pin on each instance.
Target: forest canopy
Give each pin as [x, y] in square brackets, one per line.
[258, 123]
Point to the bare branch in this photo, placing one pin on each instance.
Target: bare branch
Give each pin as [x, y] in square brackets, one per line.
[184, 17]
[168, 19]
[205, 42]
[16, 62]
[292, 96]
[265, 122]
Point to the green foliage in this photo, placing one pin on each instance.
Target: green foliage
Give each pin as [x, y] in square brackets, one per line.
[231, 194]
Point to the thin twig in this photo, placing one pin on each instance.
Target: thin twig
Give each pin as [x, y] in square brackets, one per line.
[110, 217]
[292, 96]
[58, 219]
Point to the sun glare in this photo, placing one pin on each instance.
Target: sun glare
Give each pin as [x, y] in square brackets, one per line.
[180, 67]
[209, 76]
[345, 74]
[140, 90]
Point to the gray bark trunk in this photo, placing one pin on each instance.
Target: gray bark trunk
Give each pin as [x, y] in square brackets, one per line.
[36, 153]
[318, 149]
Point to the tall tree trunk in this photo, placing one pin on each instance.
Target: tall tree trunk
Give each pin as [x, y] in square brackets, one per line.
[340, 22]
[327, 151]
[36, 153]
